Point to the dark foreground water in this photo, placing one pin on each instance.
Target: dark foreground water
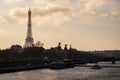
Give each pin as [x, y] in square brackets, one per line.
[77, 73]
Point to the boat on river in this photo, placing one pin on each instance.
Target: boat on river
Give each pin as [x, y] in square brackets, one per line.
[96, 66]
[57, 65]
[69, 63]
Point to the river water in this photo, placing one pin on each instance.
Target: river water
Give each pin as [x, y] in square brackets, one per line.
[77, 73]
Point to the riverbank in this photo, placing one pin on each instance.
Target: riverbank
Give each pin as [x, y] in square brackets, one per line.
[102, 64]
[79, 65]
[26, 68]
[16, 69]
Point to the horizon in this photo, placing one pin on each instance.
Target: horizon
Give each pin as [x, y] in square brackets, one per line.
[62, 47]
[88, 25]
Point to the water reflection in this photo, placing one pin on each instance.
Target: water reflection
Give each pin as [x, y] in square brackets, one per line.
[77, 73]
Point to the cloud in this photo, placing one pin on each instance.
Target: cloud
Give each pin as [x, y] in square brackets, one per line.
[54, 14]
[115, 15]
[39, 11]
[89, 8]
[87, 14]
[38, 1]
[18, 12]
[51, 1]
[93, 4]
[13, 0]
[2, 19]
[52, 10]
[56, 0]
[93, 9]
[103, 15]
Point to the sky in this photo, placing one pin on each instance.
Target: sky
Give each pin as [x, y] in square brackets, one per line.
[86, 24]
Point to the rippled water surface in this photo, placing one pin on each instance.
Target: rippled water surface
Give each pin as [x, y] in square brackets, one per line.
[77, 73]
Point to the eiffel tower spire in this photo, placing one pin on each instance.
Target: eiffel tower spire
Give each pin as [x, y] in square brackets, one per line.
[29, 42]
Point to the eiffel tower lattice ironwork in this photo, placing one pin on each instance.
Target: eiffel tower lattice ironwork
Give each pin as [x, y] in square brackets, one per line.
[29, 42]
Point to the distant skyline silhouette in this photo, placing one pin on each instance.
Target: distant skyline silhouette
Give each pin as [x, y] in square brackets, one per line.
[85, 24]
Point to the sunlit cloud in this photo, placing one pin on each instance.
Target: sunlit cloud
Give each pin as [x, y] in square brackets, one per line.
[94, 4]
[91, 10]
[38, 1]
[2, 19]
[87, 14]
[52, 10]
[115, 15]
[14, 0]
[47, 1]
[39, 11]
[56, 14]
[18, 12]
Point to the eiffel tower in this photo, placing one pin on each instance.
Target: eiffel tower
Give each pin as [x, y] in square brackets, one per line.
[29, 42]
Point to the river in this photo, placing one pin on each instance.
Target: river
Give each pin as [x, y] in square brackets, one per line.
[77, 73]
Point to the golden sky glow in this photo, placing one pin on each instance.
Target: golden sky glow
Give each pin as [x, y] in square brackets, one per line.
[86, 24]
